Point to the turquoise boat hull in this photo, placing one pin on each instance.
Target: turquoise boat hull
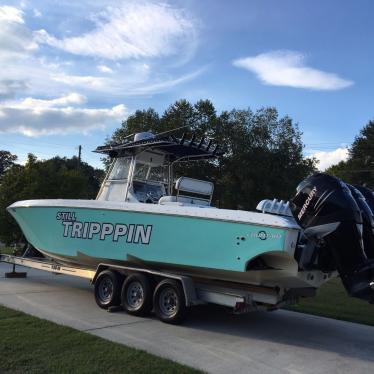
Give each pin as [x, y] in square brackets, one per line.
[87, 236]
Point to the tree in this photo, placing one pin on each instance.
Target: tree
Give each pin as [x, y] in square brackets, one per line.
[49, 179]
[6, 161]
[264, 153]
[140, 121]
[359, 167]
[264, 157]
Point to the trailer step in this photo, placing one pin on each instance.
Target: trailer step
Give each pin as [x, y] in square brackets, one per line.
[16, 274]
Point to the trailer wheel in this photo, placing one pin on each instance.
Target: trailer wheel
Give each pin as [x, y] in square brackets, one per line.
[136, 295]
[169, 301]
[107, 289]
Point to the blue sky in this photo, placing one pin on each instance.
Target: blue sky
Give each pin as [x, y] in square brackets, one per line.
[71, 71]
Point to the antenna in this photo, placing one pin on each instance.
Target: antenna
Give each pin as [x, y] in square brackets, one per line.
[170, 131]
[128, 136]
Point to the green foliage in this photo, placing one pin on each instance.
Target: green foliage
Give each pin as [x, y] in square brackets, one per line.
[7, 250]
[358, 169]
[264, 156]
[333, 301]
[6, 161]
[54, 178]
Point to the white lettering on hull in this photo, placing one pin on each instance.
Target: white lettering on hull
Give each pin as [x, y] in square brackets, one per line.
[142, 234]
[137, 234]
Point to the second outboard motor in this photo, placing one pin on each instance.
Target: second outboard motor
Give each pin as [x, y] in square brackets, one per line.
[368, 195]
[325, 208]
[369, 198]
[367, 220]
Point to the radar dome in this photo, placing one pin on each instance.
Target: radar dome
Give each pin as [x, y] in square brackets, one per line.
[143, 136]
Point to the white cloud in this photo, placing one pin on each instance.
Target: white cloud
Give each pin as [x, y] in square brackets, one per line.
[87, 81]
[133, 30]
[37, 13]
[9, 87]
[288, 68]
[163, 85]
[34, 117]
[26, 69]
[147, 37]
[134, 81]
[11, 14]
[31, 103]
[15, 37]
[104, 69]
[329, 158]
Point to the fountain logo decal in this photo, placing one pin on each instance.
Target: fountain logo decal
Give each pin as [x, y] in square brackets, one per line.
[263, 235]
[131, 233]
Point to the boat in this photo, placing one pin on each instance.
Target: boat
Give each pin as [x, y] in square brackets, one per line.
[143, 216]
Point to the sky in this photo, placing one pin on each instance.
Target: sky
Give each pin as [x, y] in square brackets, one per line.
[70, 72]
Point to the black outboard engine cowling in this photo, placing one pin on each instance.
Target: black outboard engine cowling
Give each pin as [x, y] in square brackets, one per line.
[369, 198]
[325, 208]
[368, 195]
[367, 218]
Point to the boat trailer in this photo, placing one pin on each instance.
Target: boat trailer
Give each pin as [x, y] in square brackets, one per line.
[239, 298]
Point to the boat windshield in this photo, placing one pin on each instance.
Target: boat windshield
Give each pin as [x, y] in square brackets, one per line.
[141, 171]
[146, 172]
[120, 169]
[150, 182]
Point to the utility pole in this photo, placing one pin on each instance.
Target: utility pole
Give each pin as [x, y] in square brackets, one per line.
[79, 155]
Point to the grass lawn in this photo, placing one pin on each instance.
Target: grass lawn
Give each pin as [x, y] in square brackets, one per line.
[332, 301]
[32, 345]
[7, 250]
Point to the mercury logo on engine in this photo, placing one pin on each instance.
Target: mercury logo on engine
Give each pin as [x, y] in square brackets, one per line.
[307, 202]
[132, 233]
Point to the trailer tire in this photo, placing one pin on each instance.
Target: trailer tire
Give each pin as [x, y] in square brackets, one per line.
[169, 302]
[107, 289]
[136, 295]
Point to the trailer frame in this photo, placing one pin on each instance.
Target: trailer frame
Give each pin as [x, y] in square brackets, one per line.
[239, 298]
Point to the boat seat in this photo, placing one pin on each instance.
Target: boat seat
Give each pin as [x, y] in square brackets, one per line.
[172, 200]
[190, 192]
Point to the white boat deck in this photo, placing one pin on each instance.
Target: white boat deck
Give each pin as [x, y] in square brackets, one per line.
[183, 211]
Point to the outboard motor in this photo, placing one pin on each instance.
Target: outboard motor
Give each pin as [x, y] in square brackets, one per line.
[325, 208]
[368, 195]
[369, 198]
[367, 218]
